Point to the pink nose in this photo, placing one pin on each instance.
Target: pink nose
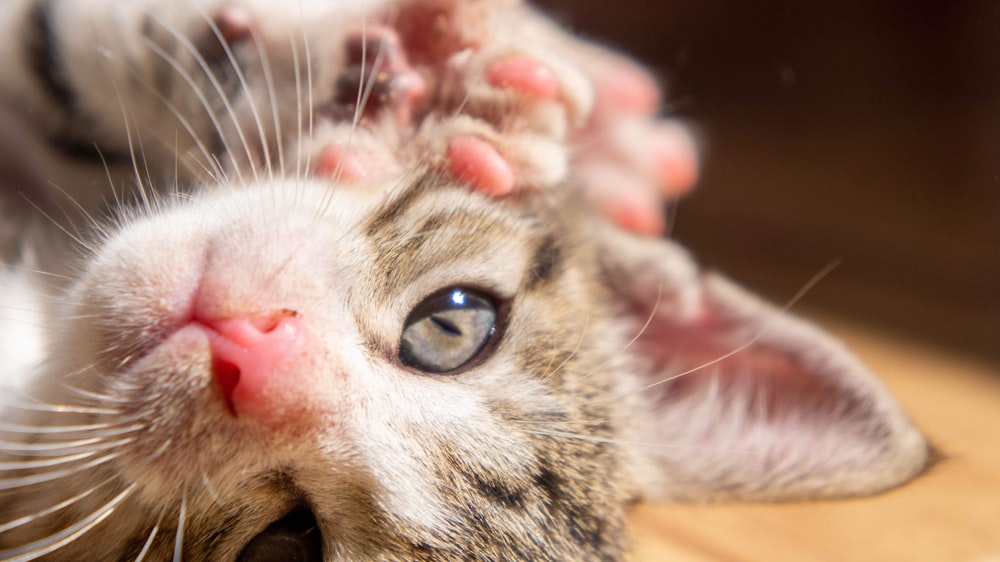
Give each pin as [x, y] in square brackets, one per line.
[247, 352]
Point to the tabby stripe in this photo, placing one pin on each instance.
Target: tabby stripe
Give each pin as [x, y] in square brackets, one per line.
[40, 48]
[385, 221]
[545, 264]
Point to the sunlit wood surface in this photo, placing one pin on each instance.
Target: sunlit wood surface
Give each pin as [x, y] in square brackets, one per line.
[952, 513]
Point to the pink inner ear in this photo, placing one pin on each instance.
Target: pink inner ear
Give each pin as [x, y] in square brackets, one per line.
[746, 401]
[772, 383]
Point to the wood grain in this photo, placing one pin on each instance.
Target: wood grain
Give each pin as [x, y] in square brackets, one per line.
[951, 513]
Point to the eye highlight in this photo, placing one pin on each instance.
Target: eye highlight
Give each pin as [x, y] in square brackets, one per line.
[447, 330]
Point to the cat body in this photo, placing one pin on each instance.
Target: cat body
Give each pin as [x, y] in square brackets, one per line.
[409, 362]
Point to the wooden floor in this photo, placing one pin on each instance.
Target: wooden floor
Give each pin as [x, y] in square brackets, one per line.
[951, 514]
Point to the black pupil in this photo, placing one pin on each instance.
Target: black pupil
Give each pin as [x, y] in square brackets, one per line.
[447, 330]
[293, 538]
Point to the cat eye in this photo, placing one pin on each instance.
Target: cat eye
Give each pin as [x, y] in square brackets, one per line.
[293, 538]
[447, 330]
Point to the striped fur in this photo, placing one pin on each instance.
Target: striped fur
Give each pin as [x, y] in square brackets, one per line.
[531, 451]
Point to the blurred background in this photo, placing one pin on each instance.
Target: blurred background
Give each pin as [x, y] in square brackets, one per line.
[861, 131]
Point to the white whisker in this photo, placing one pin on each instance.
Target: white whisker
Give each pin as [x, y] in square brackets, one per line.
[179, 539]
[201, 98]
[764, 330]
[148, 545]
[21, 482]
[4, 527]
[231, 57]
[214, 80]
[60, 408]
[272, 95]
[61, 447]
[37, 429]
[51, 461]
[39, 548]
[210, 489]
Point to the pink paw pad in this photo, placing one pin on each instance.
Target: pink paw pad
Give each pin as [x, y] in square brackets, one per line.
[638, 216]
[674, 161]
[625, 89]
[341, 163]
[524, 75]
[479, 165]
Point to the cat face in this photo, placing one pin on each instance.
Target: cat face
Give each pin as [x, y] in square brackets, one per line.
[418, 371]
[401, 442]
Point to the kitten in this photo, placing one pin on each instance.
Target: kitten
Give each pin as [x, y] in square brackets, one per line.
[404, 336]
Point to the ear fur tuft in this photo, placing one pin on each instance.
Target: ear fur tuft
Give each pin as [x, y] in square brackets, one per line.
[747, 401]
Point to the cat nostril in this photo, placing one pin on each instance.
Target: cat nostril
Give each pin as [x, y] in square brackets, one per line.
[246, 353]
[227, 375]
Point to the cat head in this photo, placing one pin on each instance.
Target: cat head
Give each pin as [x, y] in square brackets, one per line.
[412, 371]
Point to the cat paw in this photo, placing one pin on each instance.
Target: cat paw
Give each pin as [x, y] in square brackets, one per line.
[561, 111]
[628, 159]
[505, 102]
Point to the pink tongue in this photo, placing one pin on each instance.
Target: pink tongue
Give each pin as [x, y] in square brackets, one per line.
[246, 353]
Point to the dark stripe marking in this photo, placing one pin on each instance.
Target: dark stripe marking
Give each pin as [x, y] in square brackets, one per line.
[396, 208]
[545, 264]
[40, 45]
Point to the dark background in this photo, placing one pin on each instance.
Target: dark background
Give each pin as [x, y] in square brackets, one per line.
[854, 130]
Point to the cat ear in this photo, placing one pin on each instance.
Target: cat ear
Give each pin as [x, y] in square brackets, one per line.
[747, 401]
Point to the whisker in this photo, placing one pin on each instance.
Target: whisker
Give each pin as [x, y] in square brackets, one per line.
[642, 330]
[583, 335]
[52, 461]
[39, 548]
[61, 447]
[231, 57]
[309, 89]
[77, 238]
[212, 116]
[21, 482]
[4, 527]
[49, 430]
[179, 539]
[59, 408]
[91, 395]
[148, 545]
[764, 330]
[272, 93]
[214, 80]
[160, 450]
[210, 489]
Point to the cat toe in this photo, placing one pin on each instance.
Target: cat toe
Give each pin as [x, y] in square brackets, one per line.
[480, 165]
[342, 163]
[525, 75]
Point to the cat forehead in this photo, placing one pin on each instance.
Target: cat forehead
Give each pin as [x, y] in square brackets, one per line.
[401, 230]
